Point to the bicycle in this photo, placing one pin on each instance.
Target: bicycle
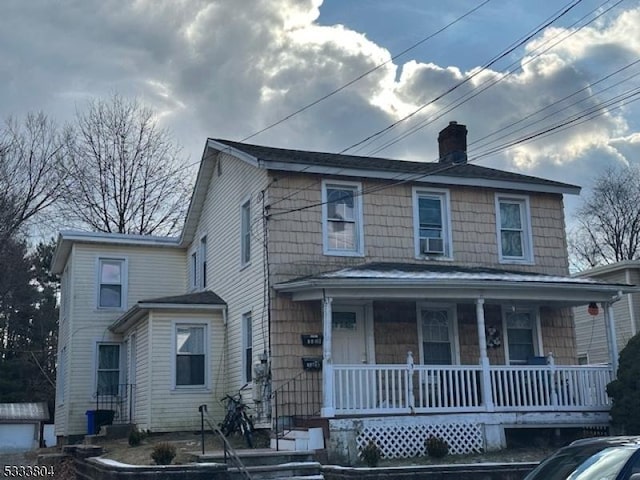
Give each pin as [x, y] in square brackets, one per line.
[237, 418]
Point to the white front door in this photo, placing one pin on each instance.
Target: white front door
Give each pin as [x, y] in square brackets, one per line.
[354, 386]
[348, 335]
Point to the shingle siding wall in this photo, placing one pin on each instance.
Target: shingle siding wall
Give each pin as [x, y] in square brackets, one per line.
[295, 238]
[152, 272]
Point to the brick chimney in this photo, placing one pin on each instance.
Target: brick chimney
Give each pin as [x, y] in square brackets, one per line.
[452, 143]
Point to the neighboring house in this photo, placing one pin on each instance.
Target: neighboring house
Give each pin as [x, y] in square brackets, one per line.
[592, 335]
[381, 299]
[21, 426]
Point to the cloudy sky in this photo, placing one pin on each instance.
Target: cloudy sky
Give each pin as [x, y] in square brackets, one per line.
[227, 69]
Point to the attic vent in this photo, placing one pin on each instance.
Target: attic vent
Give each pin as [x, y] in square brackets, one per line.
[432, 245]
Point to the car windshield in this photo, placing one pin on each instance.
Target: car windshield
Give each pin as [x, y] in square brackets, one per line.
[583, 463]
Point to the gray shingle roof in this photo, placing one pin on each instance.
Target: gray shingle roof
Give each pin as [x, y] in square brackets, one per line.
[323, 159]
[197, 298]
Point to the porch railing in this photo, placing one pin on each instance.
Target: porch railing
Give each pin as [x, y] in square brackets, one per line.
[118, 399]
[551, 387]
[295, 401]
[408, 388]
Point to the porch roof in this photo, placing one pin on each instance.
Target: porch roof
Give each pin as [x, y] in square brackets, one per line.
[196, 301]
[402, 280]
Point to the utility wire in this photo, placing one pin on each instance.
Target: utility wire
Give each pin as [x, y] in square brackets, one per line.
[368, 72]
[490, 83]
[551, 18]
[587, 115]
[500, 56]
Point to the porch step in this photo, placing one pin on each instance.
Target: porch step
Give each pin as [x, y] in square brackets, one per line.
[300, 440]
[289, 471]
[108, 433]
[258, 457]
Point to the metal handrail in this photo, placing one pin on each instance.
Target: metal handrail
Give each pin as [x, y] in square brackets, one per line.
[301, 396]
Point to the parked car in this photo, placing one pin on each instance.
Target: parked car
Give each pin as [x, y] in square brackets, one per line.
[603, 458]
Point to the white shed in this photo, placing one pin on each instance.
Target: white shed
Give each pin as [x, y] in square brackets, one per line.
[20, 426]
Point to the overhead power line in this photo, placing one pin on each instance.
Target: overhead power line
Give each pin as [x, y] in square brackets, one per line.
[521, 62]
[363, 75]
[500, 56]
[630, 96]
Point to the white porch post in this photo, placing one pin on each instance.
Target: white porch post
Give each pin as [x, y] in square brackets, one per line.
[328, 408]
[484, 359]
[611, 336]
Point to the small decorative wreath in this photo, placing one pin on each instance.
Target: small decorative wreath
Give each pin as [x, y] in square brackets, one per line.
[493, 337]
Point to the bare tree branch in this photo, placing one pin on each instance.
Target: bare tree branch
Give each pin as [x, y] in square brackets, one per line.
[124, 174]
[32, 159]
[609, 220]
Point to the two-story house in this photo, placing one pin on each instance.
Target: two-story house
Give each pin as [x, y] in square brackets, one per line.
[383, 299]
[592, 335]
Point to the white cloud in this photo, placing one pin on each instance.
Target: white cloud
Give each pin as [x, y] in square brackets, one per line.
[224, 69]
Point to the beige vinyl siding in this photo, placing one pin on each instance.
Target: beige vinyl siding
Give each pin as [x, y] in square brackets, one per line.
[175, 409]
[591, 332]
[141, 405]
[152, 272]
[241, 287]
[64, 331]
[634, 279]
[295, 239]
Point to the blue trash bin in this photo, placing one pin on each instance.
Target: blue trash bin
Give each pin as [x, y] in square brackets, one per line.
[91, 422]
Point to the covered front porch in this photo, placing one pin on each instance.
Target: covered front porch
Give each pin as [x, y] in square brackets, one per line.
[453, 343]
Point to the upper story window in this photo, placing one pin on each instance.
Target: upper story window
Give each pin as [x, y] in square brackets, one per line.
[245, 233]
[193, 270]
[514, 229]
[203, 262]
[342, 223]
[112, 276]
[432, 227]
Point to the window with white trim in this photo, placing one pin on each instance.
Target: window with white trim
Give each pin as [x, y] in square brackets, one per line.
[61, 374]
[521, 336]
[111, 283]
[432, 228]
[203, 262]
[342, 227]
[191, 355]
[436, 336]
[245, 233]
[514, 229]
[193, 270]
[247, 335]
[108, 368]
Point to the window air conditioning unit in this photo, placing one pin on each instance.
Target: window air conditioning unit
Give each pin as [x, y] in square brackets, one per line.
[432, 245]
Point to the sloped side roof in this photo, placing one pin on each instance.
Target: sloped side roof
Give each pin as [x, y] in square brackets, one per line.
[23, 412]
[324, 159]
[414, 271]
[196, 298]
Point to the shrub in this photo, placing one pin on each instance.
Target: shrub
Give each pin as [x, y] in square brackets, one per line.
[436, 447]
[163, 453]
[371, 454]
[136, 436]
[625, 390]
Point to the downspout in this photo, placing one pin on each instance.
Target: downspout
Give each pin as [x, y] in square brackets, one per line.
[632, 314]
[611, 331]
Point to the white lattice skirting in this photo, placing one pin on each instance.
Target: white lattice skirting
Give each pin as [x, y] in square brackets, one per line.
[407, 439]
